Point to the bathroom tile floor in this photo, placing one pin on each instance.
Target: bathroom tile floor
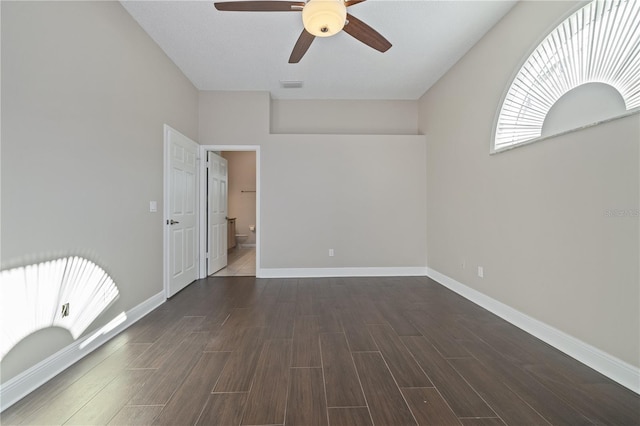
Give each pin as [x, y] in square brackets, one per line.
[241, 262]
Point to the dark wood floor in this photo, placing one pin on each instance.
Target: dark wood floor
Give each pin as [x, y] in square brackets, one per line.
[356, 351]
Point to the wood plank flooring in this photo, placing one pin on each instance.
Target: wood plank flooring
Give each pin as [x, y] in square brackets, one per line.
[344, 351]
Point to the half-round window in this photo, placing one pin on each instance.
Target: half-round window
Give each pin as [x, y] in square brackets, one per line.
[600, 43]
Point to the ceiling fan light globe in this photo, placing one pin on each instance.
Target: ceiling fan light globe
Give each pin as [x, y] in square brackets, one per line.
[324, 18]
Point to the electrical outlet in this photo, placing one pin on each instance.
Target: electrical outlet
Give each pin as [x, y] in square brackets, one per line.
[65, 310]
[480, 271]
[330, 252]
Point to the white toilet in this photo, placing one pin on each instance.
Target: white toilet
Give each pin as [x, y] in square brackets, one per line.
[242, 238]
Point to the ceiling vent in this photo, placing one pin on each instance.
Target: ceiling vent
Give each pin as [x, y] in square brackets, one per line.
[291, 84]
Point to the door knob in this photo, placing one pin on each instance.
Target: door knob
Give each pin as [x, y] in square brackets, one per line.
[172, 222]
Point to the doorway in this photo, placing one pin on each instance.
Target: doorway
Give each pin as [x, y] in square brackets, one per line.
[243, 203]
[241, 219]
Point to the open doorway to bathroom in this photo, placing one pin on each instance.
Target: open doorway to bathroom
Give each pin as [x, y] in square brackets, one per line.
[242, 214]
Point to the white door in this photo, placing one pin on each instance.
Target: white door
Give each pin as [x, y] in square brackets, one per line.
[180, 211]
[217, 220]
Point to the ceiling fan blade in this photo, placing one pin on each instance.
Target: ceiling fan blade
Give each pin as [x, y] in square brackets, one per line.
[301, 47]
[361, 31]
[260, 6]
[352, 2]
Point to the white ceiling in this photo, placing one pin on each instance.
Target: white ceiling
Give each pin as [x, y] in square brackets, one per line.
[249, 50]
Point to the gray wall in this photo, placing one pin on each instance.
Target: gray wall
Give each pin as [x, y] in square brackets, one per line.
[537, 218]
[370, 117]
[85, 94]
[362, 195]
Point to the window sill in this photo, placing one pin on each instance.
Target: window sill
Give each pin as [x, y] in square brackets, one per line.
[492, 151]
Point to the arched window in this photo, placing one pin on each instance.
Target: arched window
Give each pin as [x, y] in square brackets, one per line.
[600, 43]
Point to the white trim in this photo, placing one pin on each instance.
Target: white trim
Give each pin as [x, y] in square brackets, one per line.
[203, 198]
[614, 368]
[26, 382]
[165, 208]
[401, 271]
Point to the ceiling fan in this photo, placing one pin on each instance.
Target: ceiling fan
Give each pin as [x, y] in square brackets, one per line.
[321, 18]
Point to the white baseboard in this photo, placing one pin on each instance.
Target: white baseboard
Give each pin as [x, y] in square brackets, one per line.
[614, 368]
[340, 272]
[18, 387]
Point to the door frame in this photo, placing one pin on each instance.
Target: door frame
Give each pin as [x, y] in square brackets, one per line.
[166, 211]
[203, 197]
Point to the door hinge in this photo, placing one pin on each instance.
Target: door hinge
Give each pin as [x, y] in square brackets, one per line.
[207, 255]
